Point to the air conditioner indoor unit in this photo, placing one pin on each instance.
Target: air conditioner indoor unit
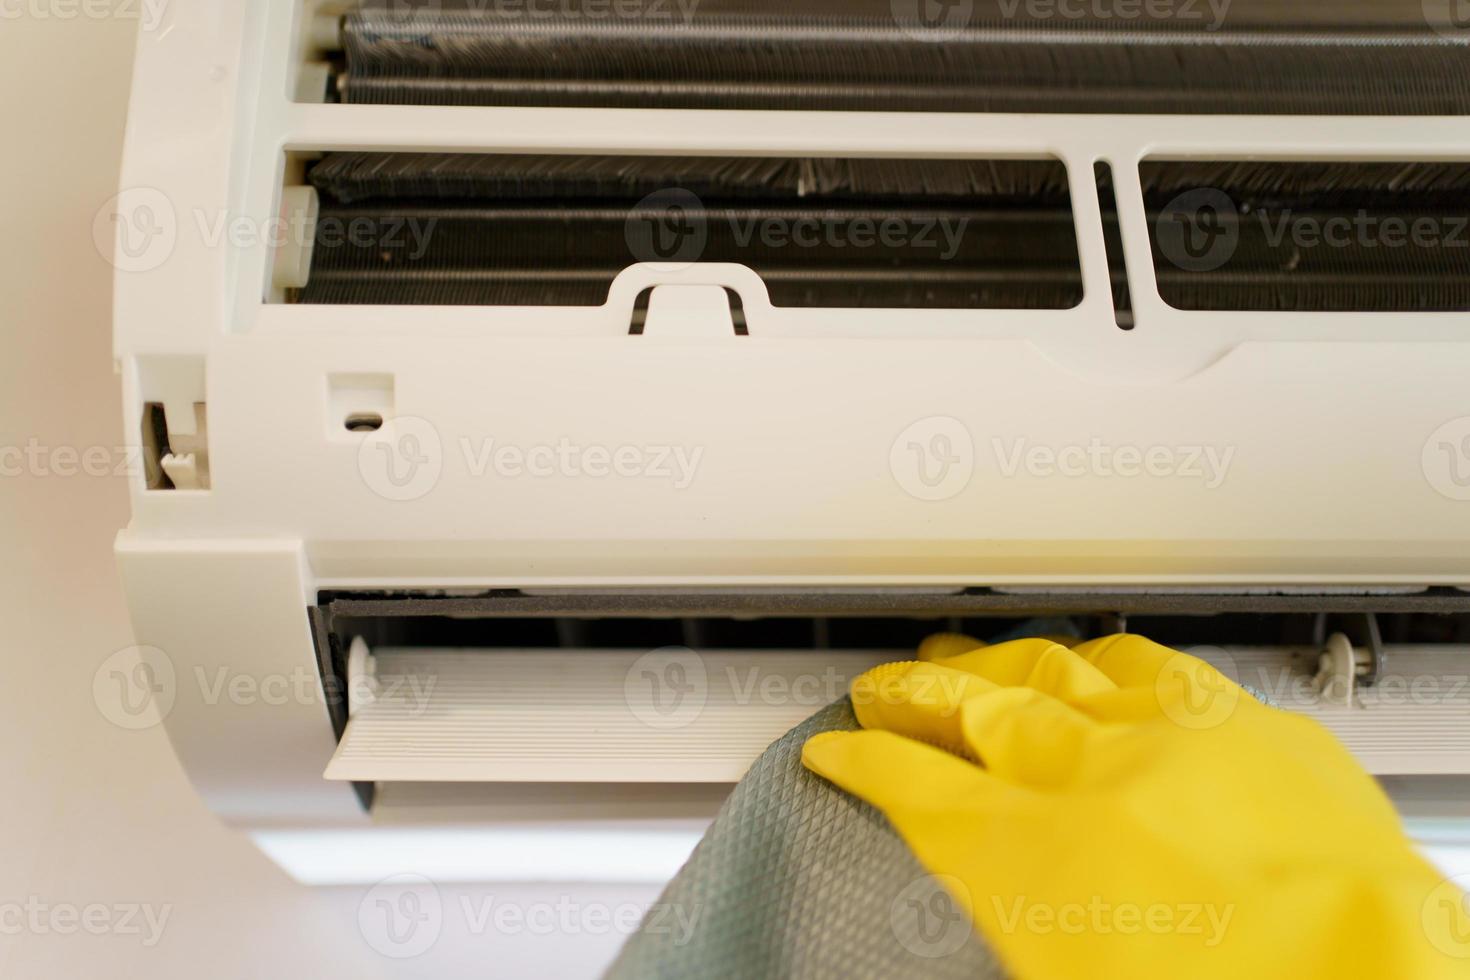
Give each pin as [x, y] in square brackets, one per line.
[544, 407]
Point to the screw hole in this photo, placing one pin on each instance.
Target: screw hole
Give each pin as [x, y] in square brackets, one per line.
[364, 422]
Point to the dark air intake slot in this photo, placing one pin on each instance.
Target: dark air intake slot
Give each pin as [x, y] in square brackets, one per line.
[1389, 57]
[1299, 236]
[490, 229]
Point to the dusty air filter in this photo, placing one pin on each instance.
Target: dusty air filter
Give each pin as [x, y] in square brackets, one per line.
[493, 229]
[1388, 57]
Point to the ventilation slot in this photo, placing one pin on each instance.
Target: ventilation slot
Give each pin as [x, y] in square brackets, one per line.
[175, 459]
[491, 229]
[450, 688]
[1251, 56]
[1329, 236]
[155, 447]
[1113, 240]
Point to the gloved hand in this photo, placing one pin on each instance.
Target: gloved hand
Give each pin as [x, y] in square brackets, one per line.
[1123, 810]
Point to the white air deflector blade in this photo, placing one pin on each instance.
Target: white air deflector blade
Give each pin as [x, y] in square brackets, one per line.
[1414, 721]
[585, 715]
[673, 716]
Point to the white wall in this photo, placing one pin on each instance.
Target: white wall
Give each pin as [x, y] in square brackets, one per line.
[91, 814]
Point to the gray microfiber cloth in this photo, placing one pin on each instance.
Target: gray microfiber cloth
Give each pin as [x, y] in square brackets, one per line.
[796, 878]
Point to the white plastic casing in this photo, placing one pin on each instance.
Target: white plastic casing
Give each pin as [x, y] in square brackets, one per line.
[808, 432]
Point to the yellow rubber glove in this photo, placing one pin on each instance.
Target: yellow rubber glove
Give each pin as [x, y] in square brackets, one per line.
[1123, 810]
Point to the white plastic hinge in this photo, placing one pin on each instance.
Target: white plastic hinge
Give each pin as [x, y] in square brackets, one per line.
[300, 207]
[362, 675]
[186, 471]
[1340, 667]
[187, 461]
